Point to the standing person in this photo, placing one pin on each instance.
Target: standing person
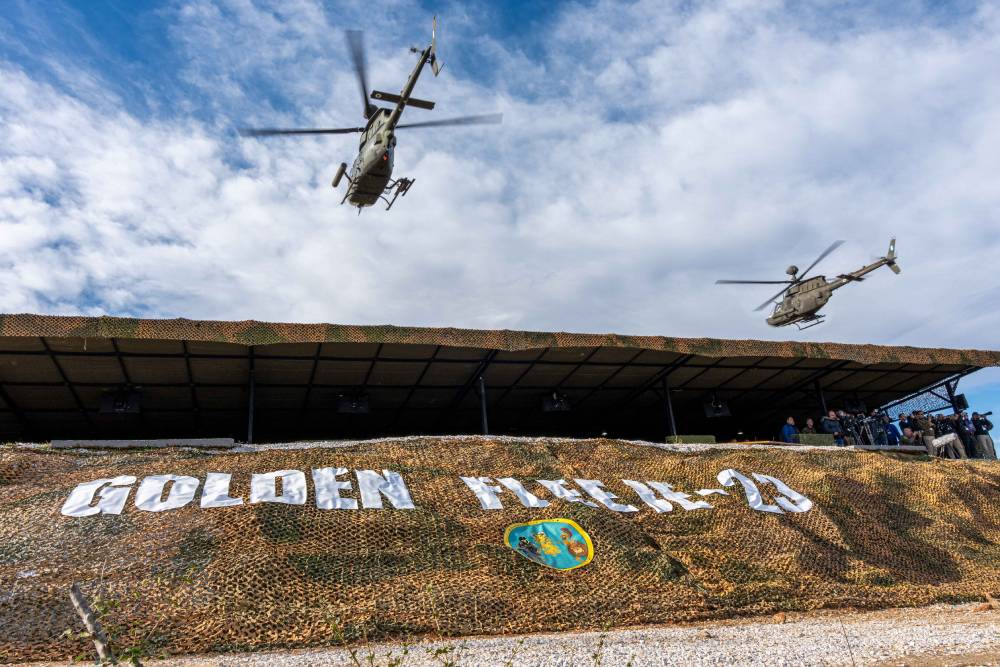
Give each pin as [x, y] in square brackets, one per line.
[831, 425]
[850, 426]
[891, 432]
[789, 433]
[983, 426]
[943, 426]
[965, 430]
[877, 428]
[810, 427]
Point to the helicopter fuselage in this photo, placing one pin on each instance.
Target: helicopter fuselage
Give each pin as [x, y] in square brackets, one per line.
[372, 168]
[801, 302]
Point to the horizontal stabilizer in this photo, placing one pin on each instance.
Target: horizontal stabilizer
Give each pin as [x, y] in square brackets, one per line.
[396, 99]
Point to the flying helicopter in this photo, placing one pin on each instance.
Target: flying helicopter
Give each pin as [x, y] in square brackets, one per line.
[803, 297]
[370, 178]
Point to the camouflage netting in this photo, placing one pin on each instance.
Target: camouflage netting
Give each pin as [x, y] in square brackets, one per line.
[884, 531]
[252, 332]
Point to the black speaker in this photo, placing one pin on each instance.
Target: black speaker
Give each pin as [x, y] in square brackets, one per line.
[716, 408]
[122, 401]
[961, 403]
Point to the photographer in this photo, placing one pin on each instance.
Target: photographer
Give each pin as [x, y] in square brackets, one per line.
[945, 426]
[848, 428]
[877, 429]
[830, 424]
[982, 427]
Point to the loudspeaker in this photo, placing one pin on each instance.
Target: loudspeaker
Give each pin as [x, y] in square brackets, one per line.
[716, 408]
[961, 402]
[121, 402]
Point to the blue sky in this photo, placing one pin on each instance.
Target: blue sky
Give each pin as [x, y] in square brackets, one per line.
[648, 148]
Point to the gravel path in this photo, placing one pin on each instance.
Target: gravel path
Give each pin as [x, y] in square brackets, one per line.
[937, 636]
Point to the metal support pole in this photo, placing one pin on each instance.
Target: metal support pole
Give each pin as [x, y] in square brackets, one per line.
[951, 396]
[482, 405]
[821, 397]
[670, 405]
[250, 404]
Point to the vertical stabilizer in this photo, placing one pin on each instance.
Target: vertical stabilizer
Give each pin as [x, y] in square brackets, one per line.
[436, 65]
[891, 257]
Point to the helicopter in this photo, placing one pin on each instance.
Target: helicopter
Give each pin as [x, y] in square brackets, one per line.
[370, 178]
[803, 297]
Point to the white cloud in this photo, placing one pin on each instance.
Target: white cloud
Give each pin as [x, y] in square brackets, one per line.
[659, 150]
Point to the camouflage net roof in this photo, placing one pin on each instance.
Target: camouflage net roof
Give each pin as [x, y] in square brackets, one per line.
[252, 332]
[883, 532]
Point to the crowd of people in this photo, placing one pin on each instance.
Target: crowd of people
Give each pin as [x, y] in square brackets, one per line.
[955, 436]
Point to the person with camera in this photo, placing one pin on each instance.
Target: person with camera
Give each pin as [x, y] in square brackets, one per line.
[848, 428]
[944, 426]
[982, 427]
[831, 424]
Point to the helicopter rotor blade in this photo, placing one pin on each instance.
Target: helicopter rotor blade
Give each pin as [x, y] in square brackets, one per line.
[771, 300]
[487, 119]
[753, 282]
[833, 246]
[355, 44]
[274, 132]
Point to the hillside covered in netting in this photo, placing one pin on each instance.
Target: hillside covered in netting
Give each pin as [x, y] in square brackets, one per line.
[875, 531]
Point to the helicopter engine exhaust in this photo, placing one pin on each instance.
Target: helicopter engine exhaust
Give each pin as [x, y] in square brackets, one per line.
[340, 174]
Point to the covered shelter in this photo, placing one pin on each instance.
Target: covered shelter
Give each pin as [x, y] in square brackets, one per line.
[106, 377]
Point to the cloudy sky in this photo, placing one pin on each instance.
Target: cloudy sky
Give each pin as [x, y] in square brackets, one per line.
[648, 148]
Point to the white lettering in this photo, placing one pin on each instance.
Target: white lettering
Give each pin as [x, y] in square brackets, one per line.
[148, 497]
[647, 496]
[373, 486]
[527, 498]
[682, 499]
[597, 491]
[328, 489]
[485, 492]
[113, 494]
[730, 477]
[263, 487]
[559, 490]
[216, 491]
[795, 502]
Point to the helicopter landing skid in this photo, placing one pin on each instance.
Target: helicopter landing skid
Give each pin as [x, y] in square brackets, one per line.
[398, 187]
[810, 322]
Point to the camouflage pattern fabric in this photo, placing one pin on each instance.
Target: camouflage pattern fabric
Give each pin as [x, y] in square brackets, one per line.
[251, 332]
[883, 531]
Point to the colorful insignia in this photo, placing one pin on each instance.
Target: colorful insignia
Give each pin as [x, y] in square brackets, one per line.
[557, 543]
